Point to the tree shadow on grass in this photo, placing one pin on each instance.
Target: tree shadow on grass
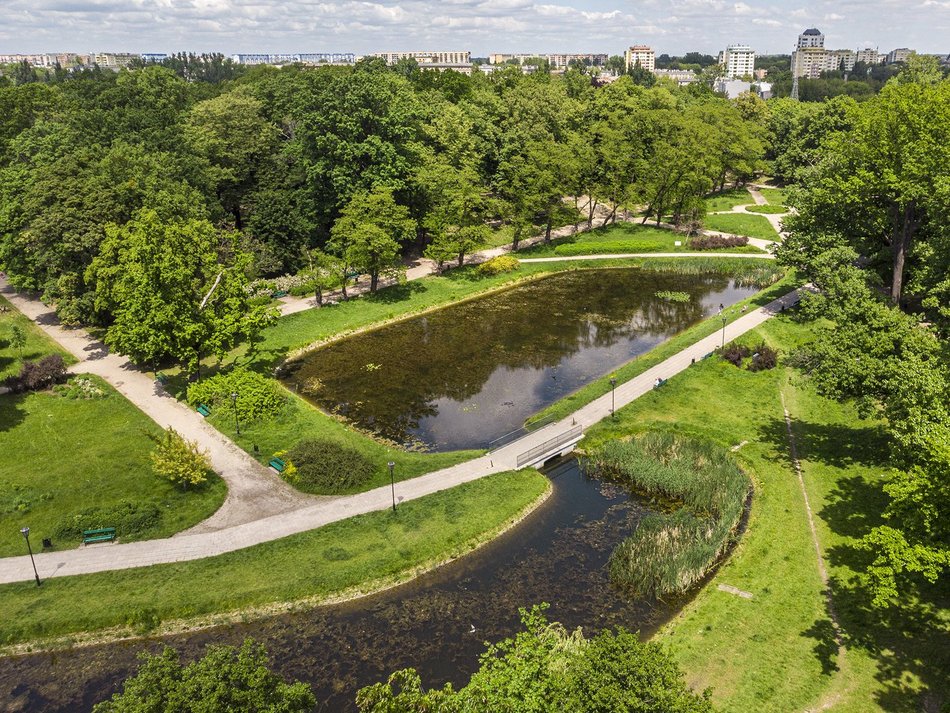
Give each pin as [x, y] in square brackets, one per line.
[394, 293]
[831, 444]
[826, 644]
[12, 412]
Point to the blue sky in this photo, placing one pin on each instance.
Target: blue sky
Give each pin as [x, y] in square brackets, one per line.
[481, 26]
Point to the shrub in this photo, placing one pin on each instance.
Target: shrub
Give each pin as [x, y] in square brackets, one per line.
[610, 247]
[178, 459]
[735, 353]
[80, 387]
[763, 358]
[130, 519]
[326, 467]
[498, 265]
[258, 396]
[717, 242]
[36, 375]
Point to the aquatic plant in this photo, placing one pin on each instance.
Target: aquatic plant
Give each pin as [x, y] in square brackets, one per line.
[671, 296]
[704, 492]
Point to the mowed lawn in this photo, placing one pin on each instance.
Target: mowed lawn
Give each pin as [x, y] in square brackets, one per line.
[37, 343]
[344, 557]
[750, 225]
[727, 200]
[60, 457]
[776, 651]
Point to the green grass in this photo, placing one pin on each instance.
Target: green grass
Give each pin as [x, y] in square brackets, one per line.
[60, 456]
[775, 196]
[583, 396]
[774, 652]
[379, 547]
[37, 343]
[752, 226]
[770, 209]
[727, 200]
[621, 238]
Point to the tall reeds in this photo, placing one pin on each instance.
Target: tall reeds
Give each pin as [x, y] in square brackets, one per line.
[705, 491]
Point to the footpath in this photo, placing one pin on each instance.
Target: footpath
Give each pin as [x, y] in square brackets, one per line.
[281, 512]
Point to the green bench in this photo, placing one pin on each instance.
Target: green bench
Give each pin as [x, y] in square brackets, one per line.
[105, 534]
[277, 464]
[161, 378]
[352, 275]
[204, 410]
[659, 383]
[278, 294]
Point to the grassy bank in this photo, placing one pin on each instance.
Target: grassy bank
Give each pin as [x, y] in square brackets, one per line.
[61, 457]
[750, 225]
[775, 196]
[37, 343]
[599, 387]
[347, 557]
[775, 651]
[727, 200]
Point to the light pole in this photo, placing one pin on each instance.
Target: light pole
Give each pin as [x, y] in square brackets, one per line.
[613, 402]
[237, 424]
[723, 331]
[26, 535]
[392, 483]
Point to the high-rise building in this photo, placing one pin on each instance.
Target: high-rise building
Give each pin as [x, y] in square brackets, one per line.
[642, 55]
[426, 57]
[738, 61]
[899, 55]
[867, 56]
[811, 37]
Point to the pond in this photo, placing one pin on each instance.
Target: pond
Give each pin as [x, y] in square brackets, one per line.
[437, 623]
[467, 374]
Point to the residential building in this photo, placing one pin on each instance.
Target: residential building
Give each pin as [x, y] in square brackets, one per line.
[557, 61]
[811, 37]
[845, 59]
[732, 88]
[764, 90]
[642, 55]
[760, 74]
[899, 55]
[154, 56]
[459, 58]
[113, 60]
[867, 56]
[682, 77]
[305, 58]
[738, 61]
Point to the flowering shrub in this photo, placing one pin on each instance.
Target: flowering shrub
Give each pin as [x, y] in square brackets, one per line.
[80, 387]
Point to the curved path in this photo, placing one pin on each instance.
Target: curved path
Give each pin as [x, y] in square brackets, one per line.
[289, 513]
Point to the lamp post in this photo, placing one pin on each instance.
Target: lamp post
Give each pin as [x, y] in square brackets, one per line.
[26, 535]
[723, 331]
[392, 483]
[613, 402]
[237, 424]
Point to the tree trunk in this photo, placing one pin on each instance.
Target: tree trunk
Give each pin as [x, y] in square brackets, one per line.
[373, 280]
[319, 296]
[610, 216]
[547, 228]
[905, 225]
[591, 209]
[515, 238]
[343, 285]
[461, 258]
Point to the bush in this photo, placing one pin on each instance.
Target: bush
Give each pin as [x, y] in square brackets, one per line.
[37, 375]
[326, 467]
[498, 265]
[734, 353]
[80, 387]
[181, 461]
[763, 358]
[610, 247]
[258, 396]
[130, 519]
[718, 242]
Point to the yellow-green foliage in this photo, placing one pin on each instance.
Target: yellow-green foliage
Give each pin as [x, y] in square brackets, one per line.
[498, 265]
[178, 459]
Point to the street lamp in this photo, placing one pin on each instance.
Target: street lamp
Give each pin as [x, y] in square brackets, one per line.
[237, 424]
[26, 535]
[613, 402]
[392, 483]
[723, 331]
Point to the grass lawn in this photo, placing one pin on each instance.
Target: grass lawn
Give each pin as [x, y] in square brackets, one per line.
[60, 456]
[352, 555]
[770, 209]
[752, 226]
[727, 200]
[775, 196]
[775, 652]
[621, 238]
[37, 343]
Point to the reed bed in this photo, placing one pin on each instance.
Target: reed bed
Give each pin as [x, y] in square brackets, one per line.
[702, 493]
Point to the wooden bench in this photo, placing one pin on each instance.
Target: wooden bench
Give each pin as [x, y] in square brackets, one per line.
[105, 534]
[161, 378]
[204, 410]
[278, 294]
[277, 464]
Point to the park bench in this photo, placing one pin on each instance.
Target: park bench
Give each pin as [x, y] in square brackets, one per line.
[105, 534]
[277, 464]
[659, 383]
[204, 410]
[161, 378]
[352, 275]
[278, 293]
[706, 356]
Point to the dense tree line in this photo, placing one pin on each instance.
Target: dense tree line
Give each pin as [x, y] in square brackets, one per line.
[105, 178]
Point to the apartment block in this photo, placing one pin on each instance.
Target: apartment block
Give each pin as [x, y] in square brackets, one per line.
[738, 61]
[642, 55]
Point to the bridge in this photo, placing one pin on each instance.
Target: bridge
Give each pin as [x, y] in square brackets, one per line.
[558, 445]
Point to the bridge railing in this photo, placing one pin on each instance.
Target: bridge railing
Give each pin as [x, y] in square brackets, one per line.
[549, 445]
[513, 436]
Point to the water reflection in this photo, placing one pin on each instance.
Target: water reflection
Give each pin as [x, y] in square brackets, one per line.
[464, 375]
[557, 555]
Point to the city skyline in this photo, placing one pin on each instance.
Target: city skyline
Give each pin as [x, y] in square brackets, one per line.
[479, 26]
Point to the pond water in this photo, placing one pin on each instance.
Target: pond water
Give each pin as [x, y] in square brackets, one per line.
[557, 555]
[465, 375]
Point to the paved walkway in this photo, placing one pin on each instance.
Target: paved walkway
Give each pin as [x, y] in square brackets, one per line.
[272, 526]
[253, 490]
[775, 219]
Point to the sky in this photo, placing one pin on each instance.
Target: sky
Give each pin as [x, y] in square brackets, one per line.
[479, 26]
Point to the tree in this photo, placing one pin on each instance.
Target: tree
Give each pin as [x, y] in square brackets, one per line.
[180, 460]
[369, 231]
[18, 339]
[224, 679]
[546, 667]
[324, 271]
[176, 289]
